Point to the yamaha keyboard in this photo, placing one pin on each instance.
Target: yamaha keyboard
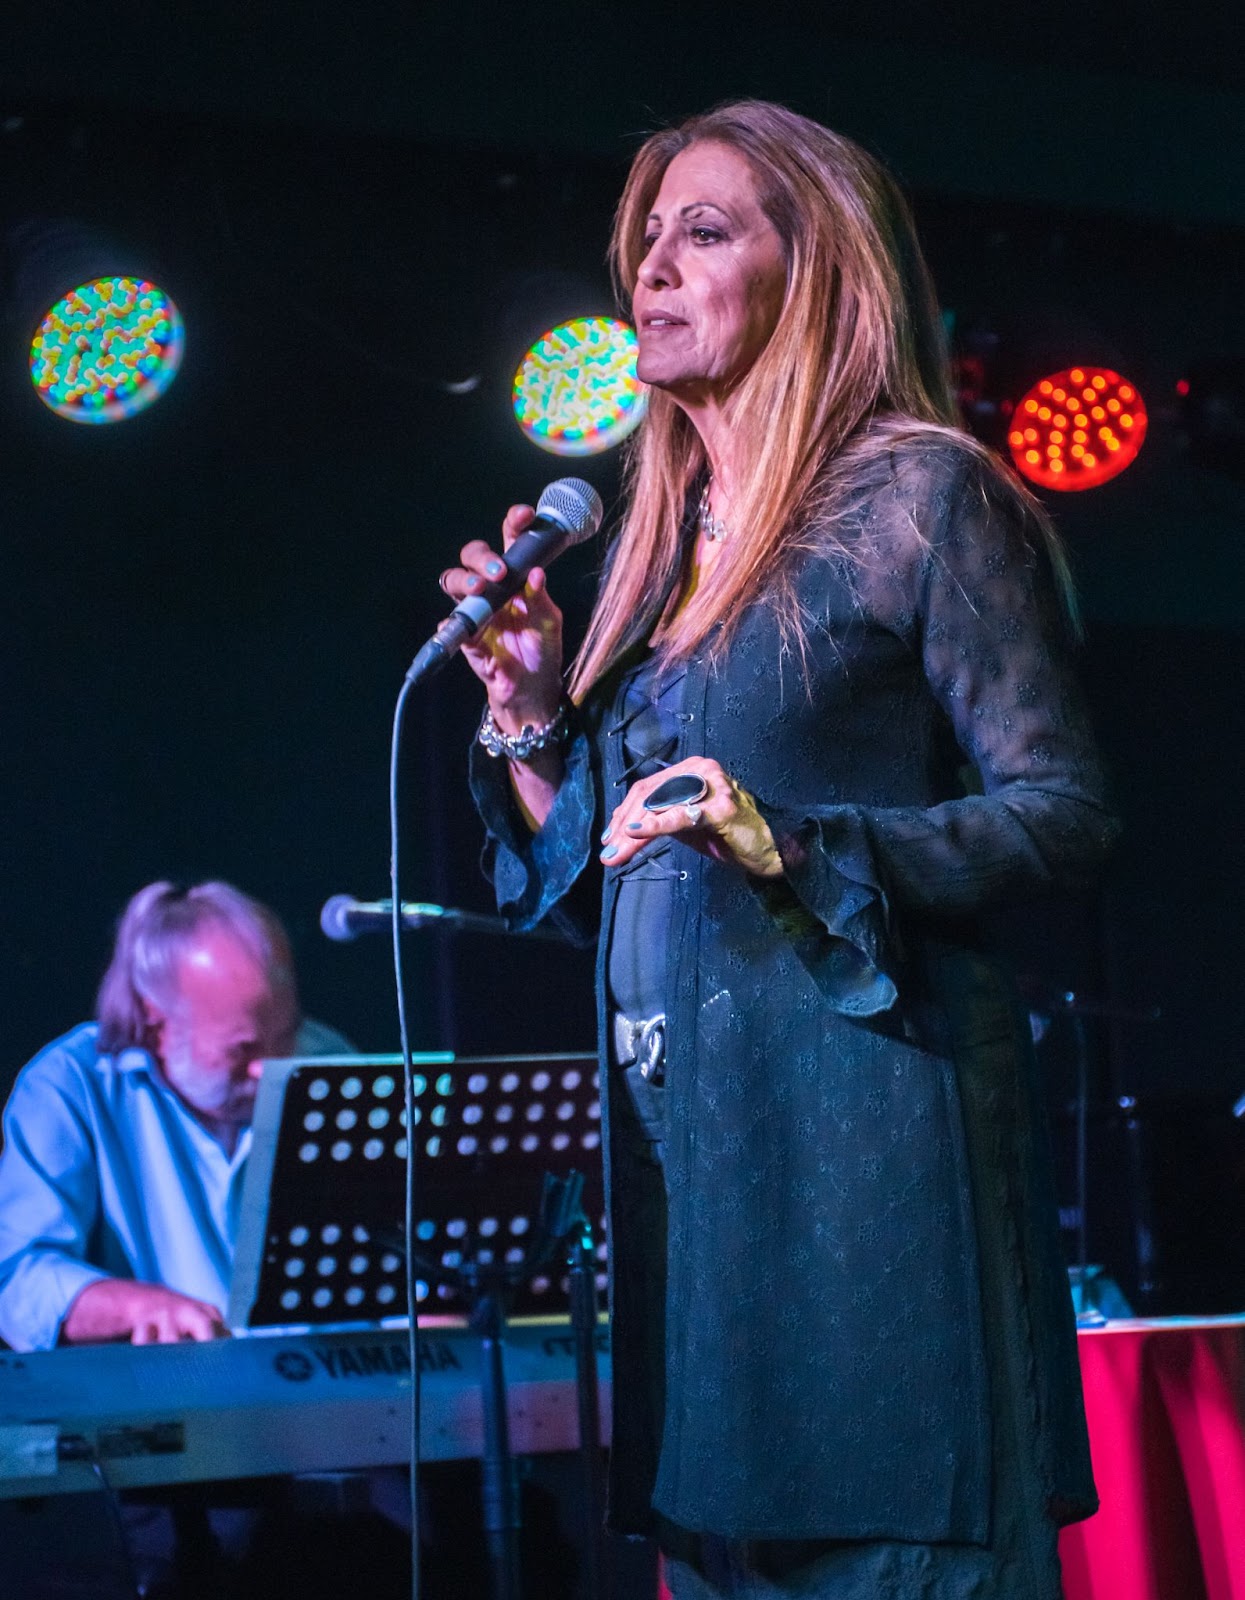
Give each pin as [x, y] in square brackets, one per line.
[71, 1419]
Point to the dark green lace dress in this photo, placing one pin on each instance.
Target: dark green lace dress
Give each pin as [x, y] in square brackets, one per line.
[854, 1327]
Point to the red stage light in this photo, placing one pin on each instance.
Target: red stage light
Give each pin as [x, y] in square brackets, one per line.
[1108, 420]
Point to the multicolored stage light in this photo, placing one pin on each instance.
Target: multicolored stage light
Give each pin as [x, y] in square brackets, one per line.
[576, 392]
[1077, 429]
[107, 350]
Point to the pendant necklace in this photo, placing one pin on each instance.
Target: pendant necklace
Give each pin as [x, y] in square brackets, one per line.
[714, 528]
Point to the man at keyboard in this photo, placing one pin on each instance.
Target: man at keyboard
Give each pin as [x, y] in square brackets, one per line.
[125, 1140]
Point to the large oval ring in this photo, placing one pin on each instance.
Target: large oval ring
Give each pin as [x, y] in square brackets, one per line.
[683, 789]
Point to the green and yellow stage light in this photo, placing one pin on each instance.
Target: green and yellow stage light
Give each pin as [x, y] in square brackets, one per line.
[576, 392]
[106, 350]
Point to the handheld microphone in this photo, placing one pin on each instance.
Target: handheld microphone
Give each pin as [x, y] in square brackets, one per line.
[568, 512]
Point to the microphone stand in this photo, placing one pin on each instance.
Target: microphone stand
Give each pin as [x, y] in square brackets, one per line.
[1088, 1314]
[343, 918]
[561, 1225]
[583, 1299]
[1077, 1009]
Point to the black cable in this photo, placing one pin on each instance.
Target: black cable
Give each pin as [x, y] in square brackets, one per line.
[113, 1501]
[408, 1101]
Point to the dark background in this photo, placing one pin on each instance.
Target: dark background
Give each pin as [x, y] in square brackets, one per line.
[207, 610]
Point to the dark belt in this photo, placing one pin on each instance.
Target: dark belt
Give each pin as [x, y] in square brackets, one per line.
[642, 1040]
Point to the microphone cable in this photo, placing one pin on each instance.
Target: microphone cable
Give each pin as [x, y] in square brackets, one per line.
[408, 1103]
[574, 507]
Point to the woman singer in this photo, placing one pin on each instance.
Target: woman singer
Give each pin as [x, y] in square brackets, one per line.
[822, 719]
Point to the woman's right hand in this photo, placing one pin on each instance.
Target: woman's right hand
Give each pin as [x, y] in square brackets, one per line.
[518, 655]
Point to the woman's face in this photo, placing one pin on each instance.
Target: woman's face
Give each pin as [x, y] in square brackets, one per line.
[711, 284]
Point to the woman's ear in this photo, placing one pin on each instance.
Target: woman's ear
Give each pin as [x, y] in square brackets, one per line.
[153, 1026]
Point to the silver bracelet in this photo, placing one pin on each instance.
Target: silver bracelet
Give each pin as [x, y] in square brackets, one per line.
[523, 745]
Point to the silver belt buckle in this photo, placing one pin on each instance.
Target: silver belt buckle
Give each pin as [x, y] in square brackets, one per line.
[642, 1042]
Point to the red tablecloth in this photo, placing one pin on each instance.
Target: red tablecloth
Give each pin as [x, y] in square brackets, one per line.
[1166, 1407]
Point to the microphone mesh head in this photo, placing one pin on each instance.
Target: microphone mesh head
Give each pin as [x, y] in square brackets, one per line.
[334, 921]
[575, 504]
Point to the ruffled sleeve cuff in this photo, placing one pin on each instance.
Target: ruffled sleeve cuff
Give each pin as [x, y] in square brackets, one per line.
[533, 873]
[828, 868]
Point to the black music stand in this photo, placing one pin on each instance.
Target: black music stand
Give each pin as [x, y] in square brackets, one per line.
[324, 1198]
[502, 1144]
[562, 1228]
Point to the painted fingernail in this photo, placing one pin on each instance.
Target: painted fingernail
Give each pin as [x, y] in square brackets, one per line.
[605, 837]
[612, 851]
[634, 827]
[494, 569]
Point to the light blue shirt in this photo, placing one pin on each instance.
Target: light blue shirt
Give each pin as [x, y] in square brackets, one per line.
[105, 1173]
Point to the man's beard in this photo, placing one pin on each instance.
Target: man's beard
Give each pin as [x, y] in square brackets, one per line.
[208, 1094]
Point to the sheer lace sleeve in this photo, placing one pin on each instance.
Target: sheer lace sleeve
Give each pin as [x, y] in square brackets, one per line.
[545, 875]
[978, 599]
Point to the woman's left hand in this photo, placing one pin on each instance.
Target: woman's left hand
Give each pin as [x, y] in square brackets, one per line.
[724, 824]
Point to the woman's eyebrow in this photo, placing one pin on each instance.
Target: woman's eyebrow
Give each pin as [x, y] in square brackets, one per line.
[694, 205]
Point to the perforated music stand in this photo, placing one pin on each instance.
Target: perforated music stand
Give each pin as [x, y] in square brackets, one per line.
[322, 1237]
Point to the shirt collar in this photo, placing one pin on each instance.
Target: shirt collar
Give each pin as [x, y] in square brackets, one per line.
[135, 1059]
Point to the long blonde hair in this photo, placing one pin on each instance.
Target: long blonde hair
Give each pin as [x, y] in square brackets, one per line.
[857, 358]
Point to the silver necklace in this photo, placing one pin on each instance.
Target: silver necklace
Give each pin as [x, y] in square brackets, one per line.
[713, 528]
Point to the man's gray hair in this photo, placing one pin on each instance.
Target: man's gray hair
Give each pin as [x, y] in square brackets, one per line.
[161, 925]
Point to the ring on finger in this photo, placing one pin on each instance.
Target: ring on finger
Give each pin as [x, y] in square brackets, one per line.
[693, 813]
[441, 581]
[683, 789]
